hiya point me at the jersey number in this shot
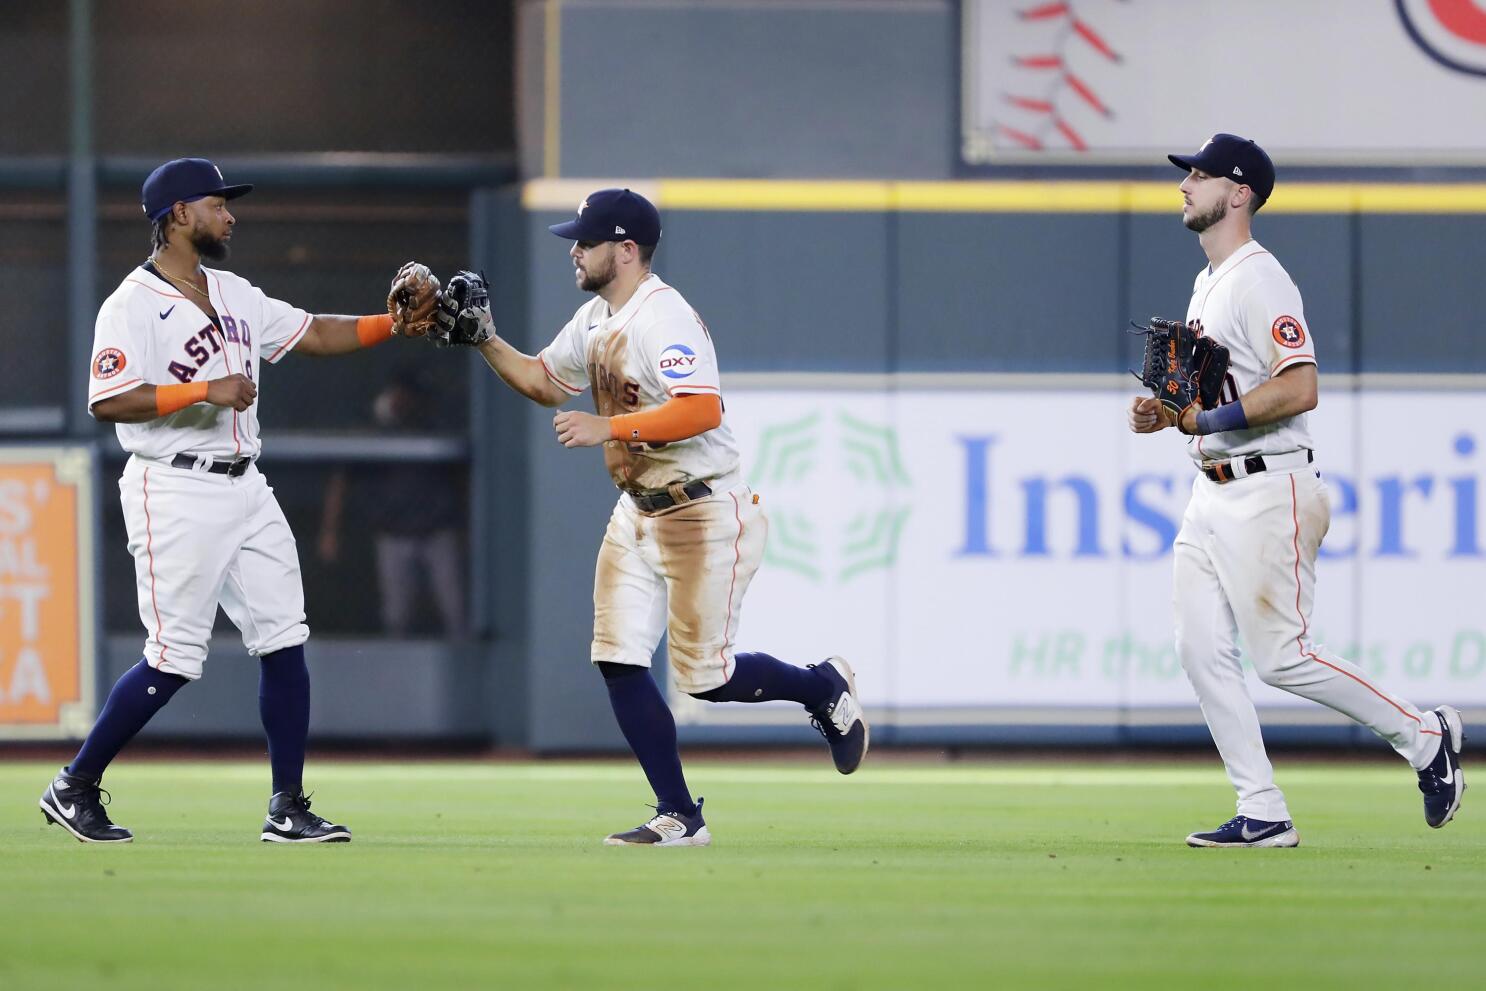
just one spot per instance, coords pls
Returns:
(1229, 392)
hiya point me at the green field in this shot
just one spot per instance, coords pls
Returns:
(906, 875)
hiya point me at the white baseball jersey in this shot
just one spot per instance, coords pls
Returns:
(1250, 305)
(200, 539)
(654, 348)
(149, 333)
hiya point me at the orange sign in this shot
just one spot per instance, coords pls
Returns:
(46, 585)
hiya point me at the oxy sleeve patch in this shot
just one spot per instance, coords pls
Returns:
(108, 363)
(1288, 333)
(678, 362)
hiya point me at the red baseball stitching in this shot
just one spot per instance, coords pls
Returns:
(1052, 120)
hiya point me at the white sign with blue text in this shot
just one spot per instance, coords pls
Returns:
(972, 551)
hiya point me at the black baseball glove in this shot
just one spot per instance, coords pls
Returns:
(1181, 367)
(463, 318)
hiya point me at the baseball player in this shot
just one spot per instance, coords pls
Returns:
(1245, 559)
(687, 533)
(177, 353)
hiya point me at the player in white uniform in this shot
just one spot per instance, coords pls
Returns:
(687, 534)
(177, 351)
(1245, 559)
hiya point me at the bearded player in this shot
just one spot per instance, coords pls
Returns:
(1245, 559)
(177, 352)
(686, 534)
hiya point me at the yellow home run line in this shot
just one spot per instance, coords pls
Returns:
(974, 196)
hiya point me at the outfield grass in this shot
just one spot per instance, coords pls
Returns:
(903, 876)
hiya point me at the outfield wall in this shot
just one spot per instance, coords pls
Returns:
(961, 509)
(975, 331)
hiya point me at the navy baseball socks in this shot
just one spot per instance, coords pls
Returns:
(760, 677)
(284, 708)
(136, 697)
(826, 690)
(650, 730)
(74, 799)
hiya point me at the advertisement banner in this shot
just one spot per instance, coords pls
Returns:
(981, 554)
(1334, 81)
(47, 610)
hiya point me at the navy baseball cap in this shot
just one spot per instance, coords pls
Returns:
(613, 215)
(1236, 158)
(184, 180)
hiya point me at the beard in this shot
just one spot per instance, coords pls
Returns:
(596, 279)
(1199, 222)
(213, 249)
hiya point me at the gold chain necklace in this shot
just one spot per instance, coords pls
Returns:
(177, 280)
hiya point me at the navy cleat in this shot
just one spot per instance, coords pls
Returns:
(76, 804)
(1241, 831)
(291, 821)
(668, 827)
(1443, 782)
(839, 719)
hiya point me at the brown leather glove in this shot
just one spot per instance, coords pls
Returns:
(412, 300)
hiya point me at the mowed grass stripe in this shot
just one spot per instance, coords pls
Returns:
(977, 875)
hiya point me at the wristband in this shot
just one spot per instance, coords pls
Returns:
(173, 398)
(1216, 421)
(373, 329)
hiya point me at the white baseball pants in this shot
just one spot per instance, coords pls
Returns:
(200, 540)
(682, 571)
(1245, 565)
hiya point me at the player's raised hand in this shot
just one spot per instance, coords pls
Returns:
(578, 429)
(236, 391)
(1147, 415)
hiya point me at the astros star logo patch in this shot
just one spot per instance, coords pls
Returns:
(108, 363)
(1288, 332)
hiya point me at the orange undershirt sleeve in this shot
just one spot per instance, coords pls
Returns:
(676, 419)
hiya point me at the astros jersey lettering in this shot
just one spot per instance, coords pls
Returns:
(654, 348)
(149, 333)
(1251, 305)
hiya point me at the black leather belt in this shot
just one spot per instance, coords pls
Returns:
(1253, 464)
(232, 469)
(653, 502)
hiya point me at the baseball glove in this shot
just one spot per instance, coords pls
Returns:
(1181, 367)
(463, 316)
(412, 300)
